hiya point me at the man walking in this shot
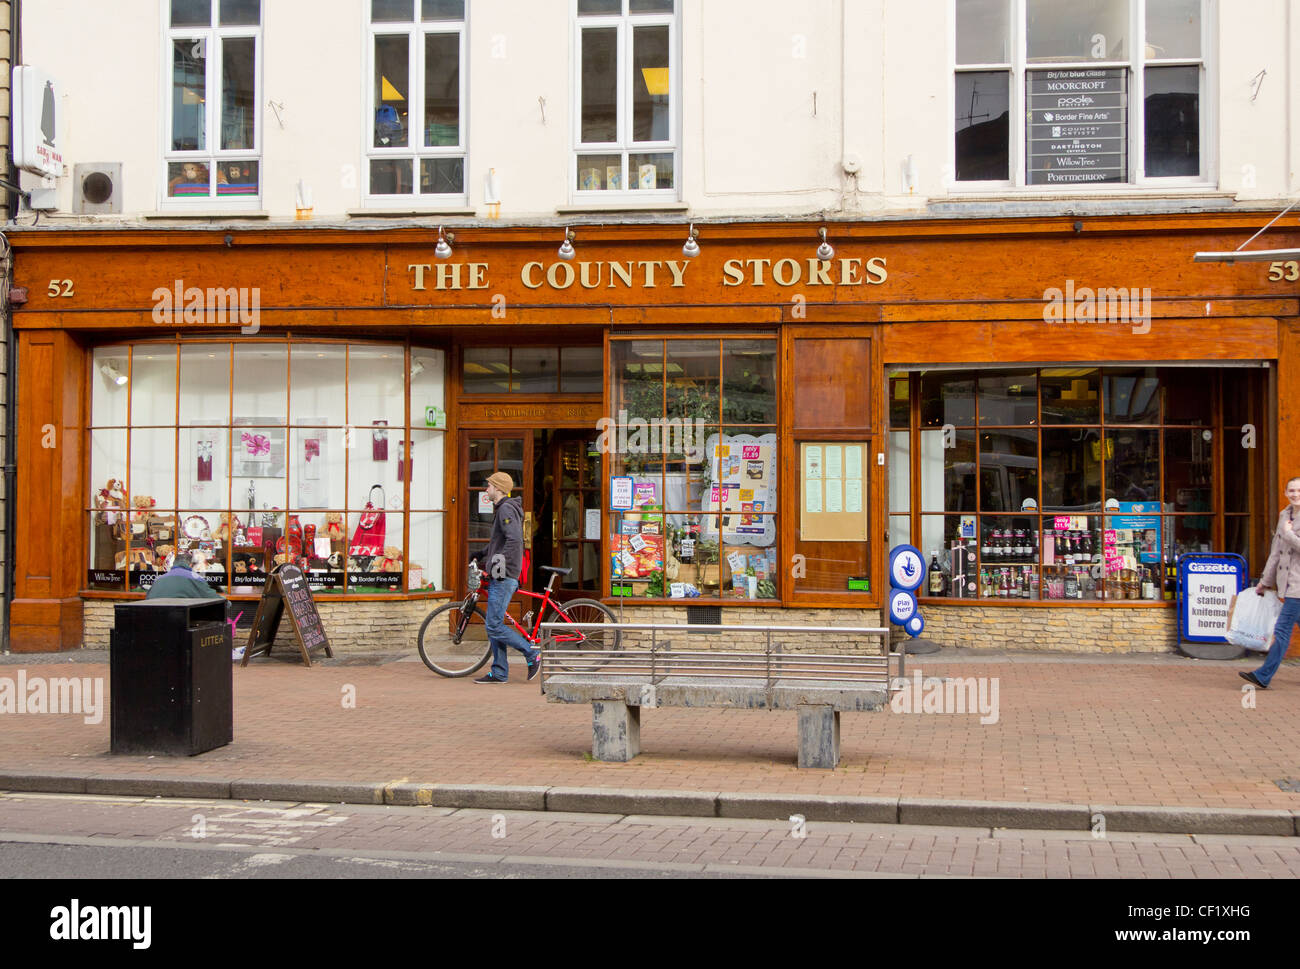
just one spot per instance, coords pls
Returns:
(502, 561)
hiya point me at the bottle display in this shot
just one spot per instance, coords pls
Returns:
(936, 575)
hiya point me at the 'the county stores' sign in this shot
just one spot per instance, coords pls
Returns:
(652, 274)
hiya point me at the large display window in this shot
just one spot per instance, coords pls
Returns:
(1078, 483)
(251, 454)
(693, 451)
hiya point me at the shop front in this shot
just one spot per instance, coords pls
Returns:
(747, 431)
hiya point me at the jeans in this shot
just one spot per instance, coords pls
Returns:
(1286, 621)
(500, 633)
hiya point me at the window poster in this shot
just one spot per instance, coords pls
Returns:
(742, 472)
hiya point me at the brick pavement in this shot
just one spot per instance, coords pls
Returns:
(1167, 734)
(826, 847)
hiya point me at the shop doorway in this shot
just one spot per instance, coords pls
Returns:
(567, 502)
(483, 453)
(557, 474)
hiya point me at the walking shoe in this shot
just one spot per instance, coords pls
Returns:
(533, 667)
(488, 679)
(1252, 678)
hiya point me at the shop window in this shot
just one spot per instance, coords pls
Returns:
(1111, 90)
(214, 90)
(1099, 499)
(703, 493)
(628, 92)
(416, 147)
(532, 370)
(252, 454)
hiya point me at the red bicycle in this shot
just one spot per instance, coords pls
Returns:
(448, 651)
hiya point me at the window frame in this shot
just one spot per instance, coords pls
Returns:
(624, 146)
(214, 38)
(415, 31)
(229, 424)
(909, 524)
(611, 457)
(1137, 63)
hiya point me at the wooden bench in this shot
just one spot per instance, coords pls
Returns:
(618, 683)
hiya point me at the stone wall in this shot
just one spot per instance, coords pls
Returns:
(393, 626)
(350, 626)
(819, 642)
(1076, 629)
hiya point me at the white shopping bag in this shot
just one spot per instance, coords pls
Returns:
(1251, 618)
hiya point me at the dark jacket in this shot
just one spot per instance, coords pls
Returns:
(180, 584)
(1283, 569)
(504, 556)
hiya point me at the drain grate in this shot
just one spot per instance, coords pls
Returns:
(1289, 784)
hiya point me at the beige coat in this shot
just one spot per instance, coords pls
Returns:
(1283, 569)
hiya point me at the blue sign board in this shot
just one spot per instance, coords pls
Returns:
(1206, 585)
(902, 606)
(906, 568)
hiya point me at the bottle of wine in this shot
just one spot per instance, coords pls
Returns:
(936, 575)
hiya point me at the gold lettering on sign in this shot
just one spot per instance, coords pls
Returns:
(449, 275)
(622, 272)
(646, 273)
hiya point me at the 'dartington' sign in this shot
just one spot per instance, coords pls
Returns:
(652, 273)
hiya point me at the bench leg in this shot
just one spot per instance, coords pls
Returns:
(615, 730)
(819, 735)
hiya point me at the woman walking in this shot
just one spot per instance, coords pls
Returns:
(1283, 573)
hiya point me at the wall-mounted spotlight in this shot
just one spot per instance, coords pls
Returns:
(417, 366)
(825, 251)
(692, 247)
(109, 369)
(567, 251)
(443, 249)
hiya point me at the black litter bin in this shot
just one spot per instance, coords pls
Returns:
(171, 677)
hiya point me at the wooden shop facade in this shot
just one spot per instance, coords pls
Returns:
(1053, 408)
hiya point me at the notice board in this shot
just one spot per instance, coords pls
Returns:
(833, 492)
(286, 591)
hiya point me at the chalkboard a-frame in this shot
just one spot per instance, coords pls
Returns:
(287, 586)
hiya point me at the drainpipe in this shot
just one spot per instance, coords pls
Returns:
(11, 349)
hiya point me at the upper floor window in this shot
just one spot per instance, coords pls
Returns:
(416, 143)
(627, 93)
(1111, 91)
(214, 126)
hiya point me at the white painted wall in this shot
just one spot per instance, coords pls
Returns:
(751, 145)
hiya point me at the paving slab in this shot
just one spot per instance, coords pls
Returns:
(1159, 732)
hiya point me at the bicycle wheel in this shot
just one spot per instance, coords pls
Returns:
(447, 648)
(593, 641)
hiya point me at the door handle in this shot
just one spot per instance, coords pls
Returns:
(528, 529)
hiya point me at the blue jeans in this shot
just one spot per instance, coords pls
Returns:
(500, 633)
(1286, 621)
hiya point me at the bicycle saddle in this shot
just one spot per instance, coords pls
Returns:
(552, 568)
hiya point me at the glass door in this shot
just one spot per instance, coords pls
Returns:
(483, 454)
(575, 519)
